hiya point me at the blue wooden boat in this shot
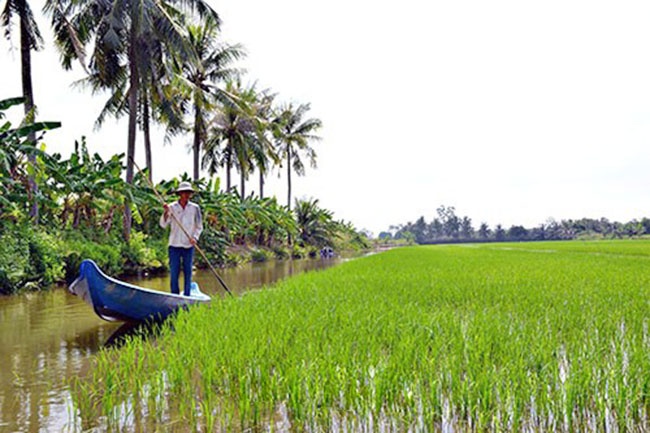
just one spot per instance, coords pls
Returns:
(114, 300)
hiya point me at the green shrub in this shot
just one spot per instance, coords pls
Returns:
(14, 261)
(138, 255)
(298, 252)
(45, 256)
(160, 251)
(107, 256)
(281, 252)
(234, 259)
(260, 255)
(29, 259)
(214, 243)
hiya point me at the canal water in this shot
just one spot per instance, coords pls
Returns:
(49, 338)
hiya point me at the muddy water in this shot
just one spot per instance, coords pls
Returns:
(48, 338)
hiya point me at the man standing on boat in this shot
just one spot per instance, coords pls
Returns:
(186, 223)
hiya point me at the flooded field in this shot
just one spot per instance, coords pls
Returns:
(47, 338)
(500, 337)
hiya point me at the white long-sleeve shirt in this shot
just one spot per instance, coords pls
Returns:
(190, 218)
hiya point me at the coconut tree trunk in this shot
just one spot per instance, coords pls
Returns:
(130, 150)
(228, 167)
(289, 177)
(242, 182)
(261, 184)
(28, 94)
(147, 138)
(196, 146)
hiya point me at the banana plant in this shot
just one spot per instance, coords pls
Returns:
(17, 189)
(90, 188)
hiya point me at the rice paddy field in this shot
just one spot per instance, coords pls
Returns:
(491, 337)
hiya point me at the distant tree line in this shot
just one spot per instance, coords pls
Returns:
(447, 227)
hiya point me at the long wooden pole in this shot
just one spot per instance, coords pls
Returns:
(162, 200)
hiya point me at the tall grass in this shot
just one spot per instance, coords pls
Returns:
(489, 337)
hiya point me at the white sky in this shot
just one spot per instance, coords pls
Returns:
(513, 111)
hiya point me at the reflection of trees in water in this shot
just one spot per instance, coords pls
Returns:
(46, 339)
(256, 275)
(35, 381)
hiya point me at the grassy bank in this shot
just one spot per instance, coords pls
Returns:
(35, 258)
(537, 336)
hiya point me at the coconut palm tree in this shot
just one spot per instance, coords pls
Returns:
(122, 33)
(316, 226)
(236, 133)
(265, 155)
(155, 100)
(228, 131)
(30, 40)
(292, 135)
(213, 66)
(257, 106)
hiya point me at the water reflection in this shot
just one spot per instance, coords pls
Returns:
(243, 278)
(47, 339)
(127, 331)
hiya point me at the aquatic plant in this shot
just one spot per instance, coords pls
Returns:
(494, 337)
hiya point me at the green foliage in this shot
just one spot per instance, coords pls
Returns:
(281, 252)
(81, 200)
(237, 133)
(348, 238)
(137, 255)
(112, 254)
(28, 258)
(16, 170)
(14, 261)
(298, 252)
(316, 226)
(292, 133)
(86, 191)
(106, 254)
(448, 227)
(260, 255)
(487, 338)
(45, 256)
(214, 243)
(234, 258)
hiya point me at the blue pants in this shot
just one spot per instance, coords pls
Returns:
(176, 254)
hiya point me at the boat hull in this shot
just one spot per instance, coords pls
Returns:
(115, 300)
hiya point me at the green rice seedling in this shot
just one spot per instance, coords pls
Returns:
(500, 337)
